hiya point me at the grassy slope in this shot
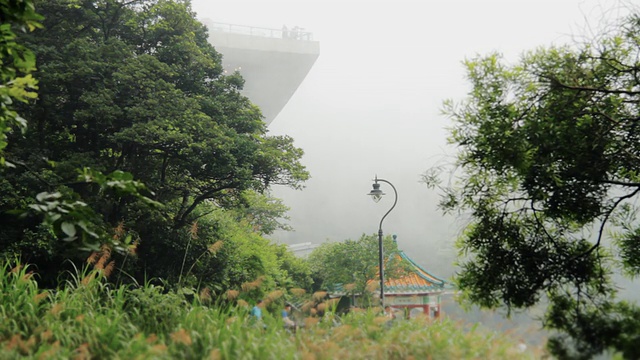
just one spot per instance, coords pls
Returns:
(88, 320)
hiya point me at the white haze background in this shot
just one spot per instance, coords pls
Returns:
(372, 102)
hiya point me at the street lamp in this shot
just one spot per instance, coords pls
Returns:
(376, 194)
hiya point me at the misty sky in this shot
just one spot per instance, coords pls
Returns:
(372, 102)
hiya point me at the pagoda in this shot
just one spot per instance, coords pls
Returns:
(411, 292)
(414, 291)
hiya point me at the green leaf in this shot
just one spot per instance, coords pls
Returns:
(68, 228)
(186, 291)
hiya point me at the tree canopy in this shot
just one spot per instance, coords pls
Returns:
(132, 93)
(548, 170)
(16, 64)
(352, 264)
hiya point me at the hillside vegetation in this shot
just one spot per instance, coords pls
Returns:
(89, 319)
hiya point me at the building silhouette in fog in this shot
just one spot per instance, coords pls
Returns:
(273, 62)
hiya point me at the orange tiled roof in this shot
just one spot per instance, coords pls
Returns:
(415, 280)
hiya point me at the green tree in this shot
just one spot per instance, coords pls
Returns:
(548, 171)
(62, 215)
(354, 263)
(265, 213)
(16, 64)
(296, 271)
(134, 86)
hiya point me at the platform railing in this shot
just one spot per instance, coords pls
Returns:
(295, 33)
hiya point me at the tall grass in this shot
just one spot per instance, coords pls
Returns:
(87, 319)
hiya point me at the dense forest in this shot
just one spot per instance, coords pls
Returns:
(137, 144)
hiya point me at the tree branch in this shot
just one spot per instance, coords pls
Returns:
(621, 183)
(604, 222)
(557, 82)
(37, 175)
(181, 219)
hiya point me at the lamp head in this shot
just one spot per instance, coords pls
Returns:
(376, 193)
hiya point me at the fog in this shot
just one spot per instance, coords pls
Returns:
(371, 105)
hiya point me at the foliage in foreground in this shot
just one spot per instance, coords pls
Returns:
(17, 63)
(134, 109)
(548, 170)
(88, 319)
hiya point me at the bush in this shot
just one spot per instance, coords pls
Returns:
(153, 310)
(88, 319)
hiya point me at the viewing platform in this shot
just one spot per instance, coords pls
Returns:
(273, 62)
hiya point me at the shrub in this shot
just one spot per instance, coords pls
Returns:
(153, 310)
(88, 319)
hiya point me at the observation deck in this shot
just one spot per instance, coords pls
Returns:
(273, 62)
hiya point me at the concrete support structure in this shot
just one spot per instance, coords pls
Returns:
(273, 62)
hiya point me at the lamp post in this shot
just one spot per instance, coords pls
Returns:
(376, 194)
